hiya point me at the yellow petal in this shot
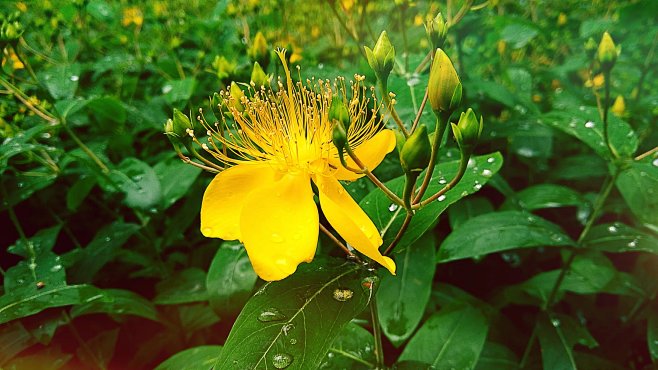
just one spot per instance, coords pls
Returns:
(279, 225)
(350, 221)
(371, 153)
(225, 196)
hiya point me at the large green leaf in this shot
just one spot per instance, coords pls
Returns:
(139, 182)
(186, 286)
(555, 347)
(388, 217)
(196, 358)
(352, 349)
(17, 304)
(34, 274)
(499, 231)
(291, 323)
(117, 302)
(42, 241)
(453, 338)
(545, 196)
(638, 184)
(61, 80)
(468, 208)
(401, 299)
(617, 237)
(585, 124)
(230, 279)
(175, 178)
(22, 142)
(496, 356)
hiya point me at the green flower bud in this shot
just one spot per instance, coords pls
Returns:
(258, 51)
(237, 95)
(338, 112)
(258, 76)
(181, 125)
(607, 52)
(445, 89)
(339, 137)
(437, 31)
(416, 151)
(381, 58)
(467, 131)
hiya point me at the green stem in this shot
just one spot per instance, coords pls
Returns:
(401, 231)
(377, 333)
(441, 124)
(606, 107)
(383, 88)
(85, 148)
(463, 164)
(363, 169)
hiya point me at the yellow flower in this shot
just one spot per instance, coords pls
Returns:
(132, 15)
(13, 59)
(273, 150)
(619, 106)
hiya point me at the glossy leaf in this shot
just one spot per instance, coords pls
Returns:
(117, 302)
(545, 196)
(34, 274)
(401, 299)
(352, 349)
(230, 279)
(196, 358)
(499, 231)
(175, 178)
(452, 338)
(185, 286)
(61, 80)
(138, 182)
(42, 241)
(585, 124)
(618, 237)
(468, 208)
(496, 356)
(638, 184)
(555, 349)
(291, 323)
(388, 218)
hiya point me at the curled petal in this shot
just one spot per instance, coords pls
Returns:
(350, 221)
(224, 198)
(279, 225)
(371, 153)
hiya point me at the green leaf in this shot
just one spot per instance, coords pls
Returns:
(638, 184)
(79, 191)
(138, 182)
(33, 274)
(13, 339)
(99, 350)
(21, 186)
(579, 167)
(496, 356)
(186, 286)
(108, 110)
(197, 358)
(401, 299)
(101, 10)
(352, 349)
(652, 335)
(16, 304)
(61, 80)
(499, 231)
(20, 143)
(178, 90)
(230, 279)
(388, 217)
(585, 125)
(117, 302)
(101, 250)
(291, 323)
(519, 34)
(556, 352)
(452, 338)
(175, 179)
(194, 317)
(545, 196)
(468, 208)
(50, 358)
(42, 241)
(617, 237)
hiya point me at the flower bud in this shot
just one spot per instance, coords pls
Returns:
(416, 151)
(607, 52)
(445, 89)
(339, 137)
(180, 125)
(258, 76)
(338, 112)
(258, 51)
(381, 58)
(236, 97)
(437, 31)
(467, 131)
(619, 106)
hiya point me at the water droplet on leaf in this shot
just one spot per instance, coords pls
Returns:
(270, 315)
(589, 124)
(441, 198)
(343, 294)
(281, 360)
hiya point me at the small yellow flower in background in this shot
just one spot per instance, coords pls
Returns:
(315, 31)
(596, 82)
(21, 6)
(274, 149)
(561, 19)
(419, 20)
(619, 106)
(11, 57)
(347, 4)
(132, 15)
(501, 46)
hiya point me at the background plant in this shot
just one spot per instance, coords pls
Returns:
(552, 263)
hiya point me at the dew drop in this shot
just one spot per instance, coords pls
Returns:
(491, 160)
(281, 360)
(632, 244)
(464, 193)
(487, 173)
(442, 181)
(441, 198)
(471, 163)
(276, 238)
(342, 294)
(477, 186)
(108, 239)
(270, 315)
(287, 328)
(74, 78)
(55, 268)
(555, 322)
(293, 341)
(612, 229)
(655, 162)
(392, 207)
(589, 124)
